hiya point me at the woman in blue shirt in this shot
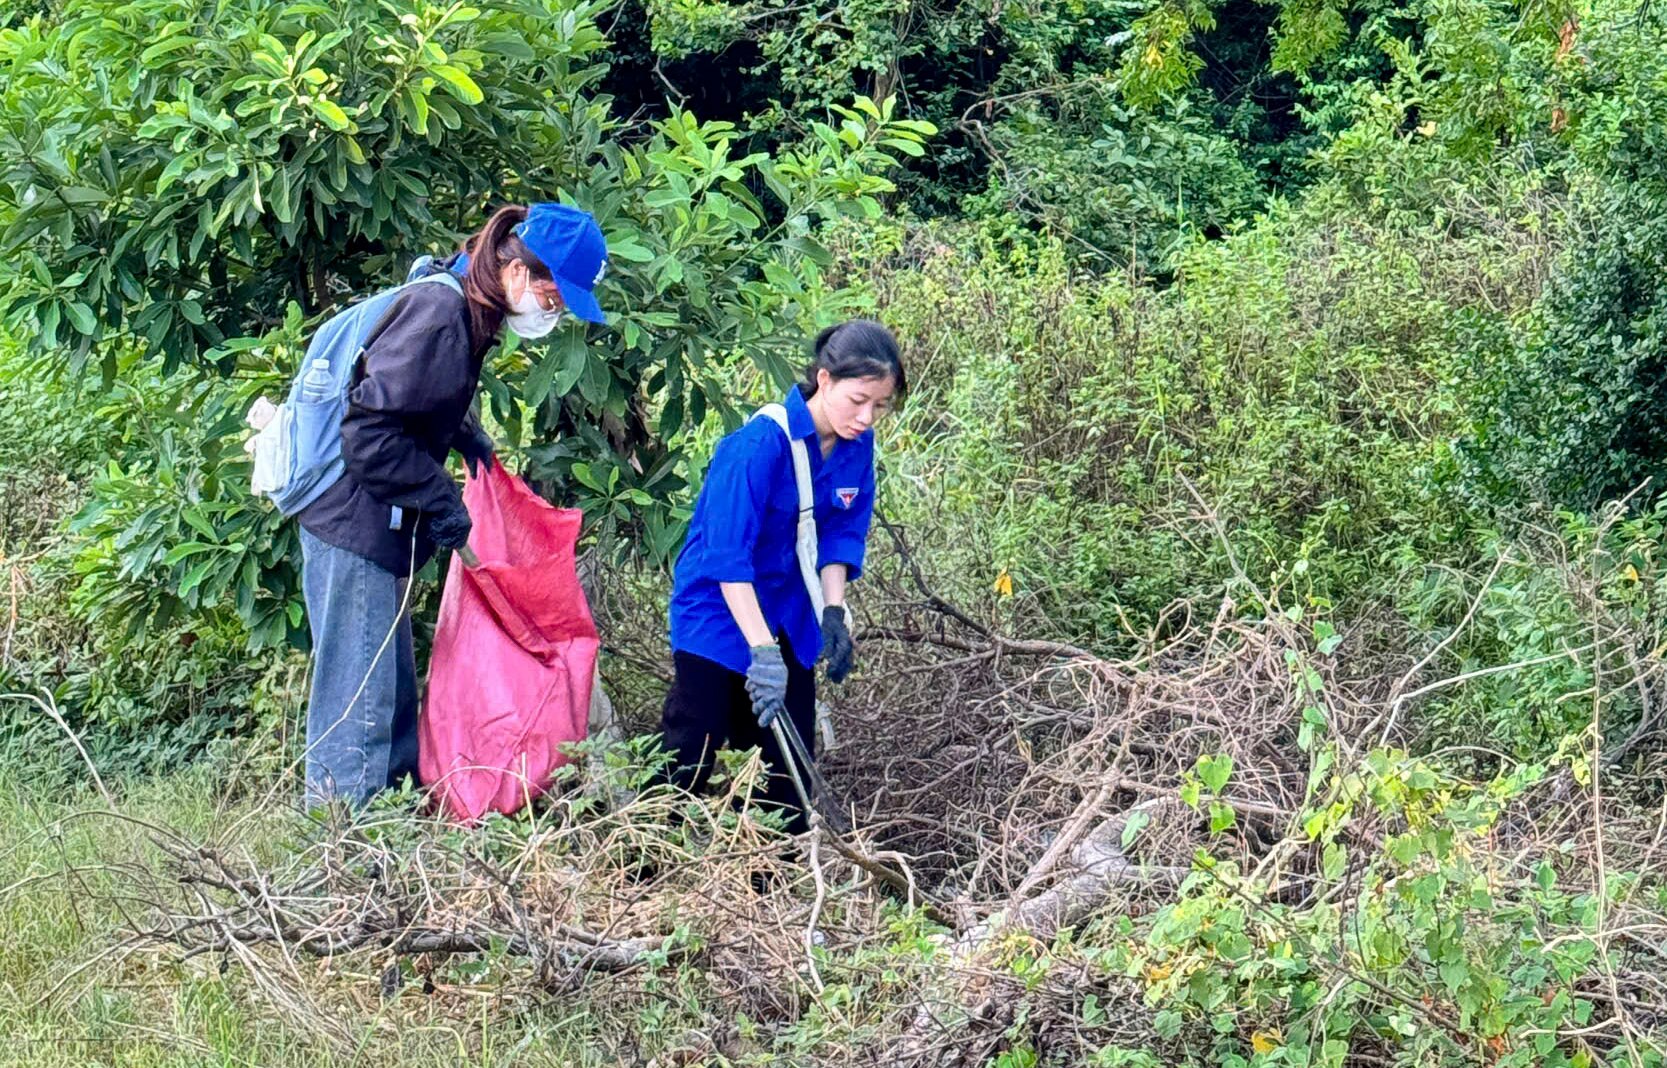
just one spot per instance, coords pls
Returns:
(744, 632)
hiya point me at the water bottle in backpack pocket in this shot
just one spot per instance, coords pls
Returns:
(297, 449)
(317, 413)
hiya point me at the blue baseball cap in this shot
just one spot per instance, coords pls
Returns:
(570, 244)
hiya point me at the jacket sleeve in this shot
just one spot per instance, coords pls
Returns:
(842, 536)
(730, 510)
(465, 430)
(413, 366)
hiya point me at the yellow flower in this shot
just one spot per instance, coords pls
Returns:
(1264, 1041)
(1004, 584)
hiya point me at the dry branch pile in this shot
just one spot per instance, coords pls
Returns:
(1014, 789)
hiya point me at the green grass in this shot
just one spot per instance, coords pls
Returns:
(68, 995)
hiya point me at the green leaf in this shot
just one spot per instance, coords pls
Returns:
(81, 317)
(190, 548)
(332, 114)
(575, 356)
(1222, 817)
(811, 250)
(1215, 771)
(282, 204)
(595, 381)
(417, 101)
(1132, 827)
(1335, 860)
(587, 478)
(196, 521)
(905, 145)
(49, 318)
(195, 577)
(80, 194)
(1406, 848)
(161, 48)
(509, 46)
(629, 251)
(537, 385)
(458, 81)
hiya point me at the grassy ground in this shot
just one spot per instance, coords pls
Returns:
(70, 995)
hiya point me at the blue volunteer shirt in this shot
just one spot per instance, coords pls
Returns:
(744, 529)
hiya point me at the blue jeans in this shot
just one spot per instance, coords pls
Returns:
(362, 715)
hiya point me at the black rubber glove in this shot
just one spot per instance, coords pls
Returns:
(450, 529)
(475, 446)
(767, 683)
(837, 648)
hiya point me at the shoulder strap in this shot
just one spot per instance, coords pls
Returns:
(386, 311)
(777, 413)
(806, 543)
(440, 276)
(805, 546)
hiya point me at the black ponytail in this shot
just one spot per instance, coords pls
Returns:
(860, 348)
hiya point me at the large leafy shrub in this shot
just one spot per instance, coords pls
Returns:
(1038, 133)
(1576, 411)
(137, 704)
(1304, 377)
(1572, 411)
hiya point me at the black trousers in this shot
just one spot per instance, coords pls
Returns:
(708, 708)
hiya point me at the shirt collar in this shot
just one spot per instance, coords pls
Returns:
(800, 423)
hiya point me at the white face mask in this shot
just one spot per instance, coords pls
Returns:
(529, 319)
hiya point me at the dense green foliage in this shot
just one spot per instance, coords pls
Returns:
(188, 244)
(1063, 417)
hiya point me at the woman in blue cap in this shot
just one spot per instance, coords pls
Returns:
(410, 403)
(744, 631)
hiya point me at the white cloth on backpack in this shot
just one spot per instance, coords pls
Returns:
(270, 447)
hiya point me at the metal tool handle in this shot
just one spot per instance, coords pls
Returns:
(792, 764)
(800, 764)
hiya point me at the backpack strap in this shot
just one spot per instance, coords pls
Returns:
(441, 276)
(805, 545)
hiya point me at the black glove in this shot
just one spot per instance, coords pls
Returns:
(837, 648)
(767, 683)
(450, 529)
(474, 445)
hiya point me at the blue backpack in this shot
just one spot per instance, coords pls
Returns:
(297, 449)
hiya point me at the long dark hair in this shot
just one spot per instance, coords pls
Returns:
(860, 348)
(489, 252)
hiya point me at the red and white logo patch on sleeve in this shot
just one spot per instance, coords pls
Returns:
(847, 495)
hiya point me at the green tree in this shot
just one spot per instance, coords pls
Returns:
(1572, 409)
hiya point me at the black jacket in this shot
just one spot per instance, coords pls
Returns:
(411, 399)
